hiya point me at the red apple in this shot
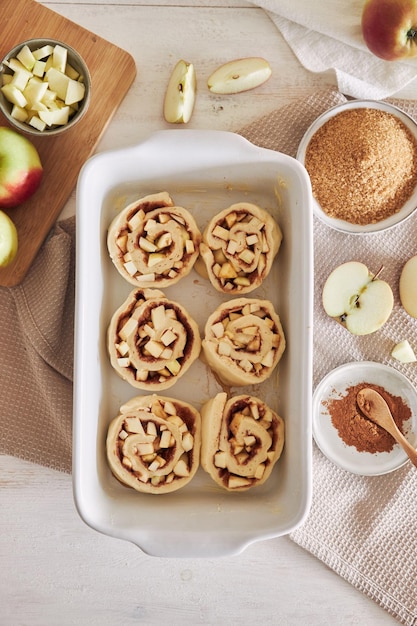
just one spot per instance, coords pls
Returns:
(389, 28)
(20, 168)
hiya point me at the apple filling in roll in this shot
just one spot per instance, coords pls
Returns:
(153, 243)
(238, 248)
(242, 439)
(243, 341)
(152, 341)
(153, 445)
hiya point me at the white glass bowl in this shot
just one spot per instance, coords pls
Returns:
(335, 385)
(341, 225)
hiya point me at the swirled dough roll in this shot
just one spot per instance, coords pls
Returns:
(153, 445)
(238, 248)
(153, 243)
(242, 439)
(243, 341)
(152, 341)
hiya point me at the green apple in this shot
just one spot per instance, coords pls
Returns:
(408, 286)
(8, 240)
(239, 75)
(389, 28)
(180, 94)
(20, 168)
(357, 299)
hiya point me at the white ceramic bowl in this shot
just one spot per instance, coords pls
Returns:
(334, 385)
(203, 171)
(342, 225)
(76, 61)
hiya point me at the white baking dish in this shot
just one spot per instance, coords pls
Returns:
(204, 171)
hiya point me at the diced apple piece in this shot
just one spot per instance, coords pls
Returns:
(75, 91)
(55, 118)
(37, 123)
(59, 58)
(21, 78)
(72, 73)
(26, 57)
(19, 113)
(39, 68)
(14, 95)
(35, 91)
(403, 352)
(58, 82)
(14, 64)
(43, 52)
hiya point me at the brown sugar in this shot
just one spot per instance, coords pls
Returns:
(357, 430)
(362, 165)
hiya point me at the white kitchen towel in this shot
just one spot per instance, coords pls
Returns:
(331, 39)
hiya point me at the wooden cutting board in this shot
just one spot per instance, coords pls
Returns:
(62, 157)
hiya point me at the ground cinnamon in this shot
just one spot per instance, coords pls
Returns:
(357, 430)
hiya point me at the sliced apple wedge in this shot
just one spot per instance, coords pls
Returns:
(357, 299)
(408, 286)
(8, 240)
(239, 75)
(403, 352)
(180, 94)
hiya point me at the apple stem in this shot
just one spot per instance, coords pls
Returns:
(412, 33)
(378, 273)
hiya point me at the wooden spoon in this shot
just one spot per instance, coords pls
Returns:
(374, 407)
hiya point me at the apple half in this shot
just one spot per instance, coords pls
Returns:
(408, 286)
(239, 75)
(8, 240)
(180, 94)
(357, 299)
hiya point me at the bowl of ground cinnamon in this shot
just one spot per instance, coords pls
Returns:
(345, 435)
(361, 157)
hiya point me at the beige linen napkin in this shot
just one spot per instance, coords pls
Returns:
(331, 39)
(36, 356)
(364, 528)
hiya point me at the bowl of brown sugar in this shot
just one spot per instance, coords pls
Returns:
(346, 436)
(361, 157)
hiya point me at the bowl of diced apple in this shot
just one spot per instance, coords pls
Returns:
(45, 87)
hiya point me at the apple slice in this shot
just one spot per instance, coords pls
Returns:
(8, 240)
(408, 286)
(357, 299)
(239, 75)
(403, 352)
(180, 94)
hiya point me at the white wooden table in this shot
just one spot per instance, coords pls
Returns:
(55, 571)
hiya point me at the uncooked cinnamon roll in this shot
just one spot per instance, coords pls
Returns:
(153, 243)
(242, 439)
(152, 341)
(238, 248)
(244, 341)
(153, 445)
